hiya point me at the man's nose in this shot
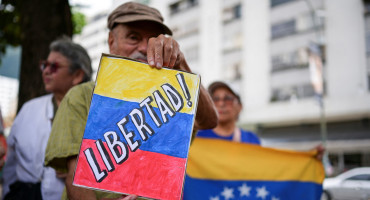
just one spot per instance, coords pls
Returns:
(143, 45)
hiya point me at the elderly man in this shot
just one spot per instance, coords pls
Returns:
(136, 31)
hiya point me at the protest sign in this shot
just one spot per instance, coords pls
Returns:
(138, 130)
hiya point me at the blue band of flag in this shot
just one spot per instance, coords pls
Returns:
(274, 190)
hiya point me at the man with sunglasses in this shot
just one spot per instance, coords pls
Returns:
(228, 106)
(24, 175)
(138, 32)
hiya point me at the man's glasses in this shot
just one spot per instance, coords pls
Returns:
(53, 66)
(227, 99)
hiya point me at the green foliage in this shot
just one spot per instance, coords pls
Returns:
(10, 31)
(10, 28)
(78, 21)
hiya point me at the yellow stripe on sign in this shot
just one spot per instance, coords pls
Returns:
(217, 159)
(134, 81)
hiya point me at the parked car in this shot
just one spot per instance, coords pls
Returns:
(353, 184)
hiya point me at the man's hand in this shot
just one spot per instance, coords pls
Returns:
(78, 193)
(164, 51)
(73, 192)
(320, 150)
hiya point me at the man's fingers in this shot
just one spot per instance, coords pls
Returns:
(168, 49)
(158, 51)
(150, 52)
(163, 52)
(175, 55)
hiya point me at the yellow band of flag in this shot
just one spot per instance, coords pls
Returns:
(216, 159)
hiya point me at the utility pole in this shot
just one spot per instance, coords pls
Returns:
(316, 67)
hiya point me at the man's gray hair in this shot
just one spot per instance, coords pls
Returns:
(75, 53)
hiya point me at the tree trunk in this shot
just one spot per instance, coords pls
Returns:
(42, 21)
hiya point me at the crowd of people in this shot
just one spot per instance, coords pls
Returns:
(46, 135)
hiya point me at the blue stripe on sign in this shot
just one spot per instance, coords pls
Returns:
(172, 138)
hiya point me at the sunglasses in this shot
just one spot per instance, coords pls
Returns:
(53, 66)
(227, 99)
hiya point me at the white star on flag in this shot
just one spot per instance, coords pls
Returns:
(262, 192)
(244, 190)
(274, 198)
(214, 198)
(227, 193)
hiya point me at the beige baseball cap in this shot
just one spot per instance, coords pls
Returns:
(219, 84)
(132, 12)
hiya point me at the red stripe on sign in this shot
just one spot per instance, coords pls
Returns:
(144, 173)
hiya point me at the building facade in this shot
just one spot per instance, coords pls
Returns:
(263, 48)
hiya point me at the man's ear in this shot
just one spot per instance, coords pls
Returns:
(111, 41)
(78, 77)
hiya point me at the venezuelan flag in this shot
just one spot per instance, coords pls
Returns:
(115, 155)
(219, 169)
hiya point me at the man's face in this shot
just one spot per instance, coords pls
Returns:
(227, 105)
(131, 39)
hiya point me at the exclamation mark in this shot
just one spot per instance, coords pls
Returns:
(181, 80)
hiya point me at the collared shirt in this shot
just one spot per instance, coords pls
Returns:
(26, 149)
(68, 129)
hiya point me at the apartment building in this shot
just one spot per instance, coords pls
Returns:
(261, 48)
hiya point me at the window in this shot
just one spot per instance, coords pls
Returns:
(299, 24)
(360, 177)
(174, 8)
(283, 29)
(232, 13)
(279, 2)
(290, 60)
(237, 11)
(367, 35)
(292, 93)
(185, 29)
(237, 72)
(182, 6)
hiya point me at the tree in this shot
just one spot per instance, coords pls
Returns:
(33, 25)
(78, 21)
